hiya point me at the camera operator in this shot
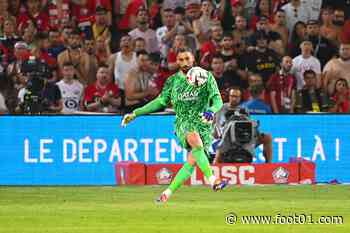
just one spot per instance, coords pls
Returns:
(40, 94)
(231, 150)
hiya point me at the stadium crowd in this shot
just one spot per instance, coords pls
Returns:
(112, 56)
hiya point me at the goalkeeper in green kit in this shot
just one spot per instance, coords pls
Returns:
(194, 95)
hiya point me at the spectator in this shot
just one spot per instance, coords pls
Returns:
(103, 95)
(340, 97)
(89, 47)
(8, 95)
(13, 71)
(53, 102)
(66, 32)
(328, 30)
(296, 11)
(76, 56)
(59, 14)
(183, 24)
(257, 104)
(193, 10)
(240, 31)
(82, 15)
(337, 68)
(139, 44)
(41, 49)
(35, 14)
(56, 44)
(166, 33)
(100, 28)
(315, 8)
(202, 25)
(263, 9)
(305, 61)
(298, 36)
(232, 104)
(71, 89)
(227, 52)
(128, 21)
(274, 38)
(324, 50)
(143, 30)
(179, 44)
(8, 40)
(102, 50)
(122, 62)
(139, 84)
(225, 79)
(280, 27)
(282, 88)
(29, 34)
(311, 98)
(209, 48)
(261, 60)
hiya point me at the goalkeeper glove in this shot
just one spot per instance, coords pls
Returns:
(127, 118)
(208, 117)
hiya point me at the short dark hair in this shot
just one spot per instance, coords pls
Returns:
(103, 65)
(67, 63)
(155, 57)
(217, 56)
(309, 72)
(180, 10)
(141, 52)
(184, 50)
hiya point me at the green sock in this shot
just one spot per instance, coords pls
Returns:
(183, 174)
(202, 161)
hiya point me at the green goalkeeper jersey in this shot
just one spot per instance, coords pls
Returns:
(189, 102)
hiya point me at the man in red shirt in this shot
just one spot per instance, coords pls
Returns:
(103, 95)
(282, 87)
(211, 47)
(34, 14)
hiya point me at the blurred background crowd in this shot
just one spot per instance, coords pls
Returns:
(112, 56)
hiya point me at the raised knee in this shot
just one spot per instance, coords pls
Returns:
(194, 140)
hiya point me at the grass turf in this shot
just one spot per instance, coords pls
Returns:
(191, 209)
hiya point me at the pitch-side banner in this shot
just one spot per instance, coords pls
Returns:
(77, 150)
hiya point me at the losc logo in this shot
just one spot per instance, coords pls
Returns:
(280, 175)
(164, 176)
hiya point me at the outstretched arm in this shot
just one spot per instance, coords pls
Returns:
(152, 106)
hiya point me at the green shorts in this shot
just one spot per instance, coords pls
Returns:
(204, 131)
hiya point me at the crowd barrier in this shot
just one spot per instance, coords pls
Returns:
(298, 172)
(82, 150)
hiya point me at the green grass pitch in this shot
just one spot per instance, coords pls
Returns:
(191, 209)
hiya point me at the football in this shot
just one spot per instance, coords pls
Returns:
(197, 76)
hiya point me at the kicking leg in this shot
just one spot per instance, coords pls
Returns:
(198, 153)
(183, 174)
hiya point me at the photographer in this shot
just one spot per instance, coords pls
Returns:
(40, 94)
(238, 133)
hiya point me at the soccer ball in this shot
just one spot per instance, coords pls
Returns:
(197, 76)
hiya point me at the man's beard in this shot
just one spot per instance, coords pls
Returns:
(345, 58)
(338, 22)
(185, 69)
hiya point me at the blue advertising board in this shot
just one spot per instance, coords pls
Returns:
(82, 150)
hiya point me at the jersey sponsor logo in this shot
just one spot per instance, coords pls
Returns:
(189, 95)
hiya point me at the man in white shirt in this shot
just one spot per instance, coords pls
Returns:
(143, 30)
(304, 62)
(71, 90)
